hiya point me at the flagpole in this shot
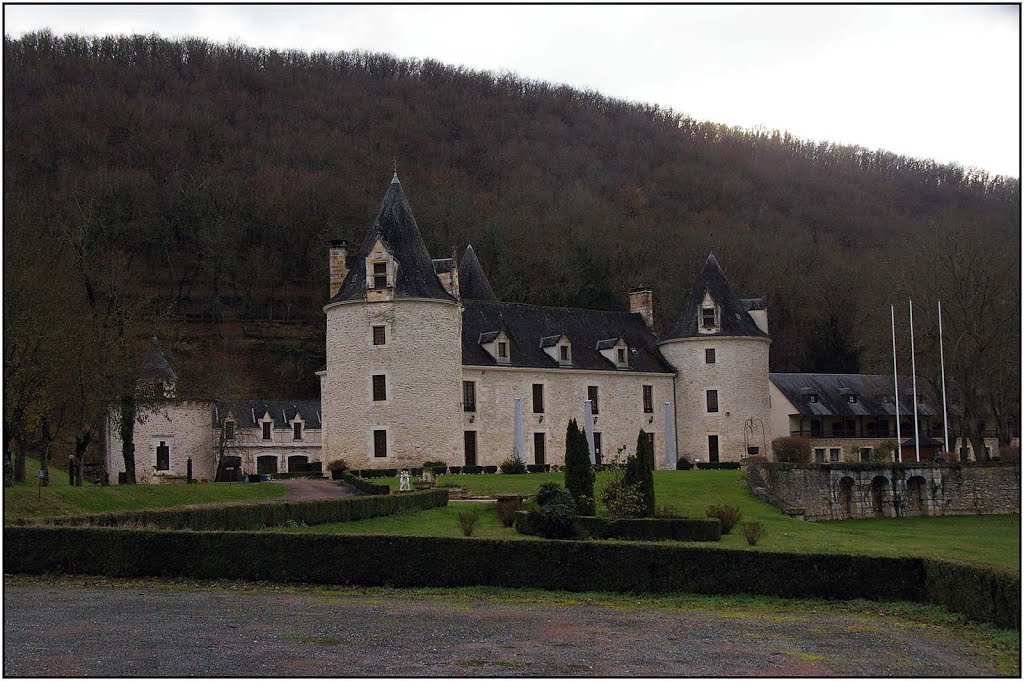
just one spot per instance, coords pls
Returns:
(896, 385)
(913, 370)
(942, 365)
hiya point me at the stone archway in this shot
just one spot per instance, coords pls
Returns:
(916, 496)
(845, 498)
(881, 493)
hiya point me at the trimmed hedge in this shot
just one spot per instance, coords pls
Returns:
(364, 486)
(254, 516)
(717, 465)
(538, 467)
(454, 470)
(458, 561)
(642, 529)
(472, 469)
(376, 473)
(296, 474)
(490, 469)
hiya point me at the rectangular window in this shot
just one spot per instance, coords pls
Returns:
(539, 454)
(163, 457)
(380, 275)
(470, 447)
(380, 390)
(709, 355)
(592, 396)
(851, 398)
(865, 454)
(379, 336)
(468, 396)
(229, 430)
(833, 454)
(712, 401)
(297, 431)
(648, 399)
(538, 398)
(812, 398)
(266, 430)
(564, 352)
(380, 444)
(819, 454)
(503, 350)
(708, 317)
(622, 356)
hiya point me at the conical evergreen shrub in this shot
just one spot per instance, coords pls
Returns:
(579, 473)
(640, 472)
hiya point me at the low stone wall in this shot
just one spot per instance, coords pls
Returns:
(839, 491)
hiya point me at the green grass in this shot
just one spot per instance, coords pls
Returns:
(59, 498)
(985, 540)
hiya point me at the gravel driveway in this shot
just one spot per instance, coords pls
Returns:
(142, 630)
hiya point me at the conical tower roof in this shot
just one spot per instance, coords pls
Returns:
(396, 228)
(155, 365)
(473, 284)
(734, 318)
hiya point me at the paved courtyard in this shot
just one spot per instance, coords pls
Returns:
(134, 629)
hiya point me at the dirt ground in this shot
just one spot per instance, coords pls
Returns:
(77, 629)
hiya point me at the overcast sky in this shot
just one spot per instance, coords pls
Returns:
(936, 82)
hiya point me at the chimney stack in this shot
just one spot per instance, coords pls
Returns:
(641, 300)
(338, 267)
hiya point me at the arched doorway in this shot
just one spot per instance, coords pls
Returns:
(916, 496)
(880, 493)
(266, 464)
(845, 496)
(297, 463)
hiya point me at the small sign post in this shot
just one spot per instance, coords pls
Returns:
(40, 475)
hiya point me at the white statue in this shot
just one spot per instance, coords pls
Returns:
(403, 484)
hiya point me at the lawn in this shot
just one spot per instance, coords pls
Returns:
(59, 498)
(988, 540)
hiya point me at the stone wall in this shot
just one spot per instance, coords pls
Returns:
(185, 425)
(739, 374)
(850, 490)
(620, 415)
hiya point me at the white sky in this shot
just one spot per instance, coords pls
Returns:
(939, 82)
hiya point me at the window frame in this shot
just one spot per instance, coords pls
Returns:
(710, 356)
(165, 445)
(502, 349)
(648, 398)
(711, 400)
(819, 454)
(229, 430)
(380, 433)
(383, 338)
(268, 431)
(704, 317)
(469, 396)
(298, 431)
(537, 405)
(593, 396)
(383, 387)
(540, 438)
(377, 274)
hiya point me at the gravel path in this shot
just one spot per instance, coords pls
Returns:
(315, 488)
(139, 630)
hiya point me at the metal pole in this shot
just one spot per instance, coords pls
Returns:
(942, 365)
(896, 385)
(913, 370)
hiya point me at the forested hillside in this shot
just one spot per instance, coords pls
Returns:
(196, 186)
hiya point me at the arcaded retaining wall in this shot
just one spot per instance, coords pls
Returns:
(838, 491)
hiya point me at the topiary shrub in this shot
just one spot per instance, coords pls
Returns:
(538, 467)
(547, 492)
(557, 518)
(579, 473)
(727, 515)
(513, 465)
(753, 532)
(792, 449)
(338, 465)
(640, 473)
(472, 469)
(490, 469)
(454, 470)
(468, 521)
(684, 464)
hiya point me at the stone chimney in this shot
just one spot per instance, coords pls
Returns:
(337, 259)
(641, 300)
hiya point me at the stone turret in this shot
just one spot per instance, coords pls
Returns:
(721, 356)
(391, 390)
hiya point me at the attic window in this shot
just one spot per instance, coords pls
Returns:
(563, 353)
(812, 398)
(380, 275)
(229, 430)
(502, 349)
(621, 355)
(297, 431)
(851, 398)
(707, 317)
(266, 430)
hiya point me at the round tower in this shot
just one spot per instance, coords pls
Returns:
(720, 354)
(391, 390)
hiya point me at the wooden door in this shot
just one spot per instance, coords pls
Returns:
(470, 447)
(713, 448)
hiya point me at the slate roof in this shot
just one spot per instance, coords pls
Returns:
(873, 391)
(473, 284)
(155, 365)
(924, 441)
(754, 304)
(396, 227)
(734, 318)
(526, 325)
(249, 412)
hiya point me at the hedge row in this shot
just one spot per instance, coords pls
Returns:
(645, 529)
(717, 465)
(364, 486)
(296, 474)
(254, 516)
(457, 561)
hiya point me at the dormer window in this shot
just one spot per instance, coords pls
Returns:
(380, 275)
(502, 350)
(297, 430)
(615, 351)
(812, 398)
(496, 344)
(558, 348)
(851, 398)
(229, 430)
(563, 353)
(707, 317)
(267, 425)
(621, 355)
